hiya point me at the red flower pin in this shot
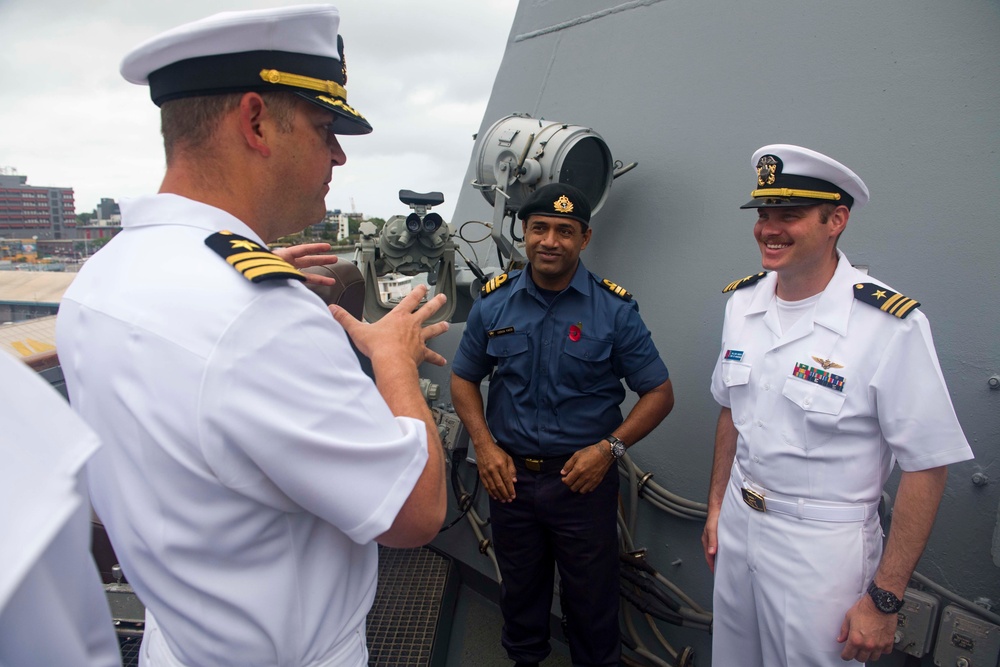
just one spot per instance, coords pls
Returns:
(574, 332)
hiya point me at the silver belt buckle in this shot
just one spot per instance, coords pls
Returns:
(753, 499)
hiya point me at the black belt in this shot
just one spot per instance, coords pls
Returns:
(540, 465)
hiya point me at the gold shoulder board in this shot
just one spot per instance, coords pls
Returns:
(255, 262)
(743, 282)
(617, 290)
(885, 299)
(493, 283)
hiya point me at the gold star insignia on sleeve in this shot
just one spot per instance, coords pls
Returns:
(245, 244)
(885, 299)
(250, 259)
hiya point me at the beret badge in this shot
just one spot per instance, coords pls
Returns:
(563, 205)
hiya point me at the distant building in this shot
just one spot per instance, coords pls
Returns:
(108, 211)
(105, 222)
(337, 223)
(28, 211)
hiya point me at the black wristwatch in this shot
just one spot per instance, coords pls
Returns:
(885, 601)
(617, 447)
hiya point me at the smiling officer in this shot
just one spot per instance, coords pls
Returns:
(558, 341)
(825, 377)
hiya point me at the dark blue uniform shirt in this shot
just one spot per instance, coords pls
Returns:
(557, 385)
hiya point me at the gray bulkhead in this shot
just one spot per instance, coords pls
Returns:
(905, 92)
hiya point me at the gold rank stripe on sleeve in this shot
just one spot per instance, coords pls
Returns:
(257, 266)
(885, 299)
(743, 282)
(493, 283)
(617, 290)
(256, 263)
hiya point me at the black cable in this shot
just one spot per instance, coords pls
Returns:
(650, 607)
(650, 587)
(469, 222)
(464, 501)
(637, 560)
(513, 234)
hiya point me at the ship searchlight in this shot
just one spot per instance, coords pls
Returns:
(519, 154)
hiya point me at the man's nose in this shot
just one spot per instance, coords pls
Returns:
(551, 237)
(337, 154)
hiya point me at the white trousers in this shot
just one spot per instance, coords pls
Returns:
(154, 652)
(783, 585)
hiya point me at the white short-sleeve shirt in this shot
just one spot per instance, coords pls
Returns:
(810, 435)
(53, 609)
(249, 462)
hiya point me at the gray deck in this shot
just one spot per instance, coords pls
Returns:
(423, 615)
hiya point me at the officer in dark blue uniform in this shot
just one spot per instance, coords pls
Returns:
(558, 341)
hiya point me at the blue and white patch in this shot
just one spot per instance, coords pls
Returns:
(734, 355)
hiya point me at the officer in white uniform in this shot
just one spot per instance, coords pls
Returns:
(826, 378)
(53, 610)
(250, 465)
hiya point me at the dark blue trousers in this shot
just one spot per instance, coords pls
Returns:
(548, 524)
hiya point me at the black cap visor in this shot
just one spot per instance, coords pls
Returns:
(791, 190)
(785, 202)
(347, 121)
(246, 71)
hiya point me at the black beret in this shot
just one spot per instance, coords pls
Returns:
(558, 199)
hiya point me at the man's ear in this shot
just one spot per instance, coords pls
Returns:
(252, 111)
(838, 220)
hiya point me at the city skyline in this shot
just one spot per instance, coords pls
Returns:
(421, 72)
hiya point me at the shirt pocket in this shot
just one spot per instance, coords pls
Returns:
(512, 353)
(586, 363)
(735, 374)
(735, 377)
(815, 421)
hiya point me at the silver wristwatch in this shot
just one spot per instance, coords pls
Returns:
(617, 446)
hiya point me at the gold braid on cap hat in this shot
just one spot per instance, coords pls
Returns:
(300, 81)
(789, 192)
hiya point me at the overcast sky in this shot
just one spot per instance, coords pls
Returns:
(421, 72)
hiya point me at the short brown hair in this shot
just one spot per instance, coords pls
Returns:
(825, 211)
(188, 123)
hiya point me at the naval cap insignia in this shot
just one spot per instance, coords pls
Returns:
(826, 363)
(768, 168)
(563, 205)
(343, 60)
